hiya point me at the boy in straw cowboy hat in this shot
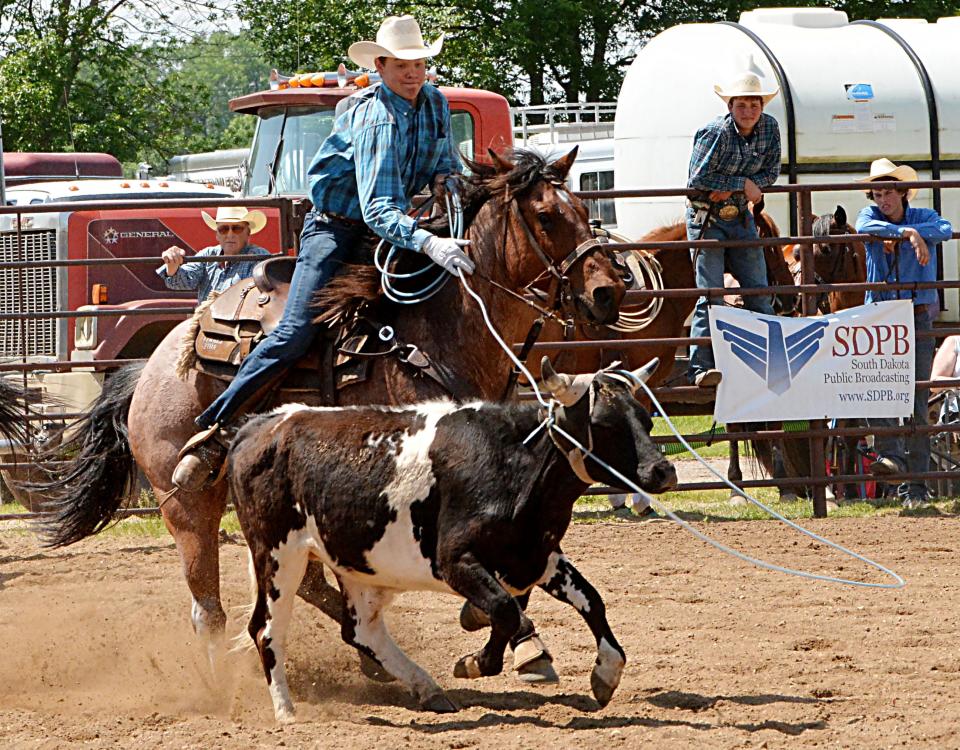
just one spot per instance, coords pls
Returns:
(233, 225)
(734, 157)
(392, 142)
(907, 259)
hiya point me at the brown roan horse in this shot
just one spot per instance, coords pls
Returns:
(512, 208)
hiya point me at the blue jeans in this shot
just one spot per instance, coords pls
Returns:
(746, 264)
(324, 246)
(912, 452)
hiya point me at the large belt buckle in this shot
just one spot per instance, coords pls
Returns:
(728, 212)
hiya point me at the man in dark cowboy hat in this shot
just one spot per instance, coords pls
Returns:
(734, 157)
(393, 142)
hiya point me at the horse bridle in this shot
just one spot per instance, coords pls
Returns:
(559, 281)
(557, 271)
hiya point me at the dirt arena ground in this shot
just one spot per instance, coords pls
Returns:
(99, 652)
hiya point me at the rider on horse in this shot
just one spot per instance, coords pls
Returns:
(395, 140)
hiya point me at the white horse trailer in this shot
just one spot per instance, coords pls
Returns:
(850, 92)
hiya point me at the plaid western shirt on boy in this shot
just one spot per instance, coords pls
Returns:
(380, 154)
(722, 158)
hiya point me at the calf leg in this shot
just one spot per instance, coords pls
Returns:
(278, 578)
(315, 590)
(364, 629)
(531, 660)
(564, 582)
(470, 579)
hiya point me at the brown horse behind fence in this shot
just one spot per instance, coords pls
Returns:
(677, 273)
(145, 414)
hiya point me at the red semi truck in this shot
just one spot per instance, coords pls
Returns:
(293, 121)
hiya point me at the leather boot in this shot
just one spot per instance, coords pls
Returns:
(201, 461)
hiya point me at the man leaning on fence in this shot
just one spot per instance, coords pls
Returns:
(233, 225)
(734, 157)
(904, 256)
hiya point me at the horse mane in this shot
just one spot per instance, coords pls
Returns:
(822, 225)
(357, 284)
(187, 356)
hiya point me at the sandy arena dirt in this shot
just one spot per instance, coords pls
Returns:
(99, 651)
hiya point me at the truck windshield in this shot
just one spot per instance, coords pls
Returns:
(298, 136)
(294, 140)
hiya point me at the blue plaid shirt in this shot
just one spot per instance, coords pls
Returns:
(380, 154)
(210, 277)
(722, 158)
(903, 265)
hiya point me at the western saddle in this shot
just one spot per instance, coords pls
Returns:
(233, 323)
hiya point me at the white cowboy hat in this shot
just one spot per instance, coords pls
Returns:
(884, 169)
(400, 37)
(256, 220)
(746, 84)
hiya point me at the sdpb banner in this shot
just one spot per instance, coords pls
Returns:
(855, 363)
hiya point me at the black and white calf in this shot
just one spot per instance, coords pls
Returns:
(440, 497)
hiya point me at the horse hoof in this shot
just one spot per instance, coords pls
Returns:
(468, 668)
(738, 500)
(538, 672)
(473, 618)
(285, 715)
(601, 690)
(373, 670)
(789, 497)
(439, 704)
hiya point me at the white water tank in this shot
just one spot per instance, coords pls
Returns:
(858, 93)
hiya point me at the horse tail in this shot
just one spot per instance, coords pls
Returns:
(13, 425)
(100, 471)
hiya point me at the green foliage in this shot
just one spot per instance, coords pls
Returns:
(72, 78)
(531, 51)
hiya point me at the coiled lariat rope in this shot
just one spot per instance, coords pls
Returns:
(549, 423)
(436, 277)
(648, 275)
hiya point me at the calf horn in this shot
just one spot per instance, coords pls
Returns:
(567, 389)
(643, 374)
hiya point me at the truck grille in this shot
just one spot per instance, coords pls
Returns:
(39, 295)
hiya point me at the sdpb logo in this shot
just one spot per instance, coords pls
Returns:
(864, 341)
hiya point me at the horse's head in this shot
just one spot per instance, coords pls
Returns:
(832, 261)
(546, 239)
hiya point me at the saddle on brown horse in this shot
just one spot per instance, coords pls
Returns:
(228, 326)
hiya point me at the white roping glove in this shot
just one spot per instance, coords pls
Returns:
(446, 253)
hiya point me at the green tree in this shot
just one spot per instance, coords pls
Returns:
(531, 51)
(70, 77)
(225, 65)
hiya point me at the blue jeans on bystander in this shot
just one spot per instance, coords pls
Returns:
(746, 264)
(912, 452)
